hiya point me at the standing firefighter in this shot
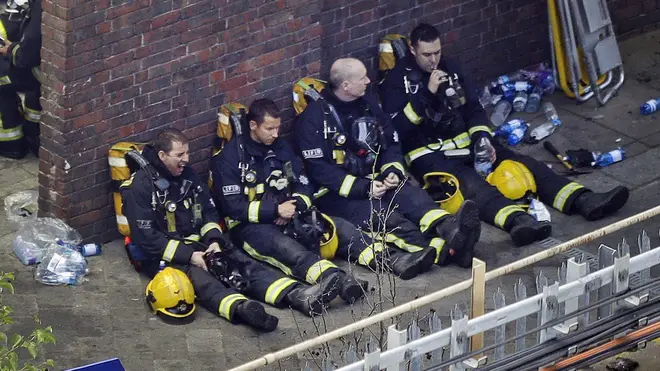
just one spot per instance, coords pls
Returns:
(351, 150)
(435, 113)
(259, 183)
(173, 221)
(20, 58)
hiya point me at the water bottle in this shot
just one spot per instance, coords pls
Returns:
(539, 211)
(486, 98)
(522, 86)
(649, 107)
(520, 101)
(161, 265)
(61, 265)
(508, 91)
(500, 112)
(547, 82)
(484, 157)
(495, 99)
(517, 135)
(534, 100)
(503, 79)
(609, 158)
(509, 127)
(90, 249)
(551, 113)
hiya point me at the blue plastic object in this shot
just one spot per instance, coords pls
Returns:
(108, 365)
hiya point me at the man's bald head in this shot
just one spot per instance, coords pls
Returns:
(348, 78)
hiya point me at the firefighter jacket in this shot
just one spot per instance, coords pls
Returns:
(428, 122)
(318, 132)
(159, 220)
(272, 175)
(27, 52)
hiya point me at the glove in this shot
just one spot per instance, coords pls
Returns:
(580, 157)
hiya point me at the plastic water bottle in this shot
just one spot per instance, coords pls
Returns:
(517, 135)
(500, 112)
(551, 113)
(161, 265)
(539, 211)
(609, 158)
(509, 127)
(90, 249)
(484, 157)
(547, 82)
(522, 86)
(486, 98)
(649, 107)
(508, 91)
(503, 79)
(61, 265)
(520, 101)
(534, 100)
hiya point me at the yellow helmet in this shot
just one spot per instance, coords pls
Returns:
(512, 179)
(444, 189)
(171, 294)
(329, 240)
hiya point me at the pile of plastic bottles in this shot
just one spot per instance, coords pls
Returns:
(61, 266)
(520, 91)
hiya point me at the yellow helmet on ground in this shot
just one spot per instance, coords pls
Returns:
(329, 240)
(171, 294)
(512, 179)
(444, 189)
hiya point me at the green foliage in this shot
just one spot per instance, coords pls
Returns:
(10, 344)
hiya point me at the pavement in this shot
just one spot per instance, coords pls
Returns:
(106, 316)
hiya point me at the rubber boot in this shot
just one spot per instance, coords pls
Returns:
(351, 288)
(594, 206)
(526, 230)
(253, 314)
(14, 149)
(460, 232)
(407, 265)
(312, 300)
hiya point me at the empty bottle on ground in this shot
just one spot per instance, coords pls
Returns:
(520, 101)
(484, 157)
(500, 112)
(534, 100)
(609, 158)
(649, 107)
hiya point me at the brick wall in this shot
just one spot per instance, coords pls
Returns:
(123, 69)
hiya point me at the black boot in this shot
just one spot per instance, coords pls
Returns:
(526, 230)
(253, 314)
(351, 288)
(594, 206)
(407, 265)
(311, 300)
(460, 232)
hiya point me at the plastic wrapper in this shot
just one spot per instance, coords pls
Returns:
(33, 238)
(61, 266)
(21, 208)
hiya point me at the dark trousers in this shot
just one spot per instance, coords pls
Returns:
(18, 123)
(552, 189)
(269, 244)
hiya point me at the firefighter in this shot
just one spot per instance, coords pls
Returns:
(352, 152)
(258, 182)
(20, 58)
(424, 95)
(173, 221)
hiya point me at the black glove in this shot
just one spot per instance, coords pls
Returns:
(226, 270)
(580, 157)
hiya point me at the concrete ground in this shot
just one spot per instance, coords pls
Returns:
(106, 316)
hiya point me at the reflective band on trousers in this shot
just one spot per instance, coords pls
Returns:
(430, 218)
(504, 213)
(346, 185)
(368, 254)
(437, 243)
(268, 259)
(206, 228)
(253, 211)
(170, 250)
(275, 289)
(460, 141)
(226, 303)
(314, 272)
(562, 196)
(5, 80)
(411, 114)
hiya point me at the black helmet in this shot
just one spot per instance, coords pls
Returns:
(225, 269)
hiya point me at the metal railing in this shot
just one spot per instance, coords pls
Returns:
(405, 347)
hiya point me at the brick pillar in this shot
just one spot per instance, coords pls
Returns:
(123, 70)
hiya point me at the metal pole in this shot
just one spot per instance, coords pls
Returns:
(441, 294)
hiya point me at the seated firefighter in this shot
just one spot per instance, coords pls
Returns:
(173, 221)
(351, 150)
(20, 57)
(433, 118)
(259, 183)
